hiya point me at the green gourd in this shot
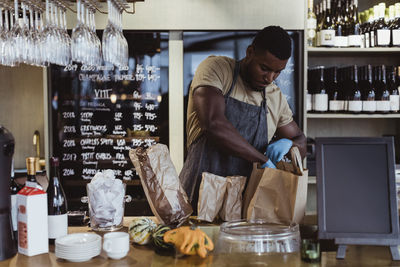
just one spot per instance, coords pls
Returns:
(141, 229)
(158, 237)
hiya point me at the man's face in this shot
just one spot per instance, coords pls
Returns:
(263, 68)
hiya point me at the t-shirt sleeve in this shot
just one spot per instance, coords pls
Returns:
(286, 114)
(210, 72)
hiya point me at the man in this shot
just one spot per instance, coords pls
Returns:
(235, 109)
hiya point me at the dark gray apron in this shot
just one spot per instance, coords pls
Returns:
(205, 156)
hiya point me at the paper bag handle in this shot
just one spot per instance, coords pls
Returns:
(296, 158)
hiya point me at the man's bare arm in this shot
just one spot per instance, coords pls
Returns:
(293, 132)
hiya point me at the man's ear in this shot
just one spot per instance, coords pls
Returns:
(250, 51)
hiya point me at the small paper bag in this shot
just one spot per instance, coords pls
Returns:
(211, 196)
(232, 207)
(277, 195)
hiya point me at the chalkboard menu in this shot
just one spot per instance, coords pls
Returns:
(100, 112)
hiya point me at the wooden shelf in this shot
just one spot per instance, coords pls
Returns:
(352, 116)
(324, 50)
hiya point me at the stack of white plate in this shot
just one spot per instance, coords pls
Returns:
(78, 247)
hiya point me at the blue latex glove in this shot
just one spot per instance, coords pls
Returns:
(268, 164)
(276, 150)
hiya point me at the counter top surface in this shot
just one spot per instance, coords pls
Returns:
(145, 256)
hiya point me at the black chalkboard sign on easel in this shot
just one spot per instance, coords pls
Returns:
(357, 201)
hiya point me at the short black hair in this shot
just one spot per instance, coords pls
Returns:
(274, 39)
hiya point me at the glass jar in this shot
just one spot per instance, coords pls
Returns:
(257, 237)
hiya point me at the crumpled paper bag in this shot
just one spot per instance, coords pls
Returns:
(167, 199)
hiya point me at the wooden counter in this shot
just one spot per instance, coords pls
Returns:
(145, 256)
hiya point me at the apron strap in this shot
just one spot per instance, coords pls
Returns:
(235, 76)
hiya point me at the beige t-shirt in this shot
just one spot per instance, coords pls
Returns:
(217, 71)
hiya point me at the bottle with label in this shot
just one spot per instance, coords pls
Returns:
(336, 97)
(320, 95)
(363, 16)
(367, 91)
(381, 29)
(340, 36)
(393, 90)
(14, 188)
(31, 173)
(57, 204)
(395, 26)
(382, 94)
(328, 28)
(311, 25)
(372, 39)
(354, 31)
(309, 104)
(354, 97)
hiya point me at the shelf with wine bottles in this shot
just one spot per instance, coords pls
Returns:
(322, 50)
(352, 116)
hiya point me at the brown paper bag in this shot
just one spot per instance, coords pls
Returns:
(211, 196)
(232, 207)
(277, 195)
(167, 199)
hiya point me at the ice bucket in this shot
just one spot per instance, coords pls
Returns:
(106, 207)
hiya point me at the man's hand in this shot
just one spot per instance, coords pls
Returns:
(268, 164)
(278, 149)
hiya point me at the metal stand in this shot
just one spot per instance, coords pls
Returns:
(344, 242)
(395, 253)
(341, 252)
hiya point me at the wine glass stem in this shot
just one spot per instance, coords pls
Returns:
(16, 10)
(31, 18)
(47, 13)
(1, 19)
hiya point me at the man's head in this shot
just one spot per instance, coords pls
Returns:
(266, 57)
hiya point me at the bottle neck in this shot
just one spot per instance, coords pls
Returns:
(31, 178)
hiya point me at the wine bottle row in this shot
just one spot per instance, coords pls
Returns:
(56, 201)
(354, 89)
(337, 23)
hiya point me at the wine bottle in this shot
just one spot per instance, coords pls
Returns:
(382, 30)
(355, 103)
(336, 97)
(368, 91)
(363, 16)
(395, 27)
(340, 37)
(373, 26)
(393, 91)
(14, 188)
(398, 77)
(309, 102)
(382, 95)
(327, 28)
(320, 96)
(311, 25)
(57, 204)
(354, 37)
(31, 173)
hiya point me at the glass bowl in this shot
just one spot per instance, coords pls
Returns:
(257, 237)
